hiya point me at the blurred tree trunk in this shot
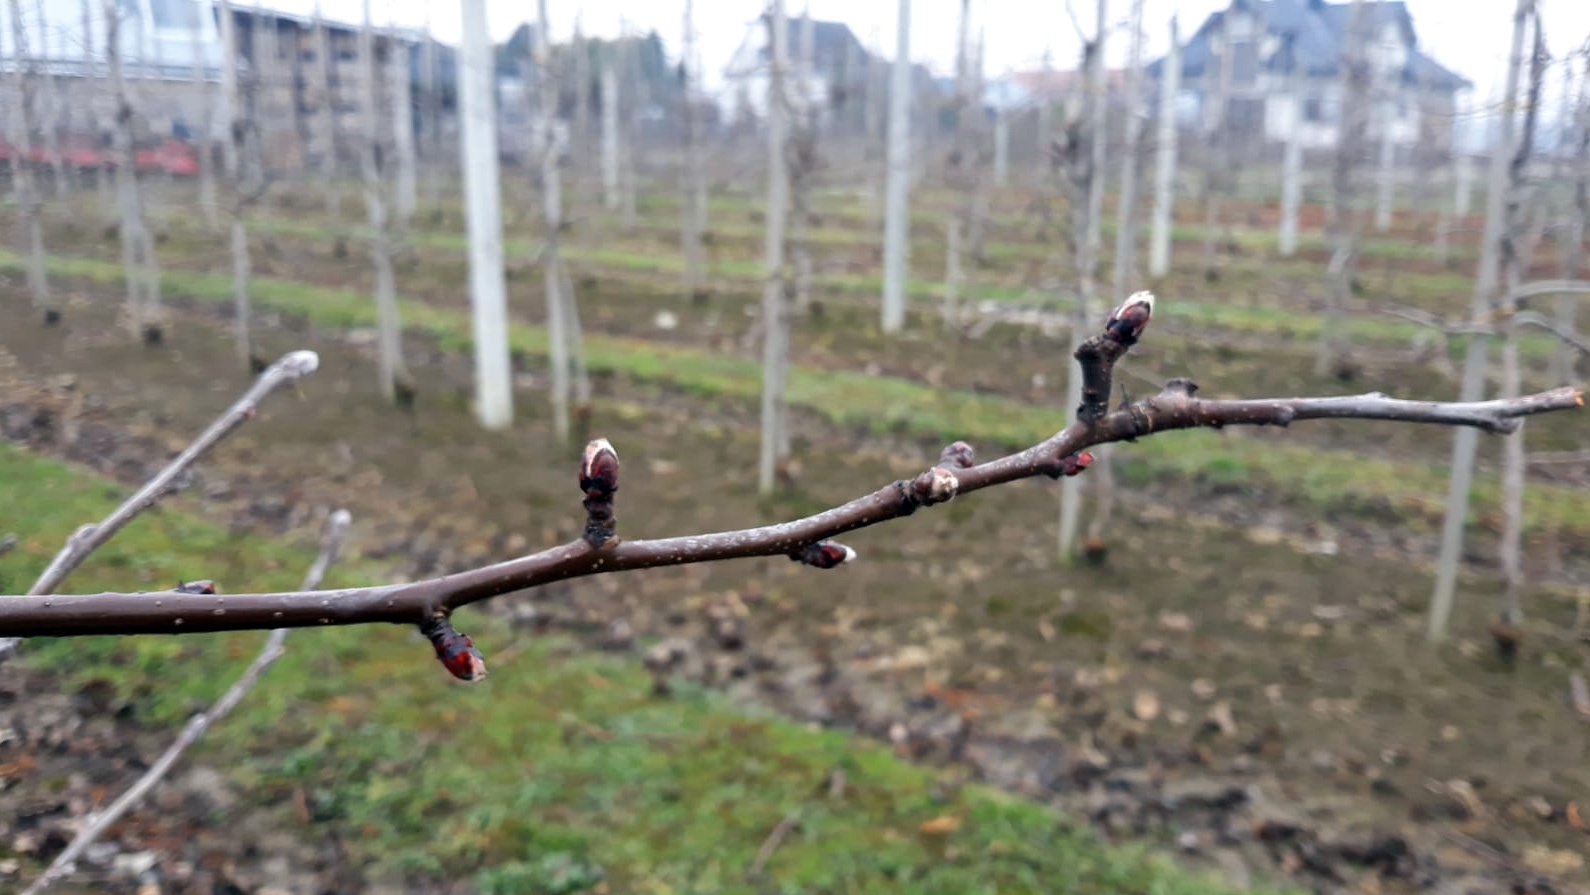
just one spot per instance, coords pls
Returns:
(1351, 142)
(552, 220)
(628, 159)
(1517, 251)
(1001, 148)
(801, 115)
(102, 175)
(143, 279)
(1216, 141)
(433, 160)
(199, 72)
(775, 293)
(1125, 253)
(241, 158)
(1084, 173)
(330, 151)
(1292, 174)
(401, 86)
(1576, 220)
(1165, 159)
(896, 228)
(694, 186)
(55, 116)
(1385, 184)
(395, 383)
(610, 150)
(25, 75)
(963, 168)
(1487, 283)
(488, 301)
(580, 74)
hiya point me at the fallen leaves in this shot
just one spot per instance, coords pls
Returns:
(943, 825)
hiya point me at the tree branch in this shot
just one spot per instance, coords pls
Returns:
(96, 824)
(88, 538)
(600, 551)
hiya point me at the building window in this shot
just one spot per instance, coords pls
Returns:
(1313, 109)
(182, 14)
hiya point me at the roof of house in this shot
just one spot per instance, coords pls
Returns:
(1310, 37)
(835, 47)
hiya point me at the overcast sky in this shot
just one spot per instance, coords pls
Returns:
(1468, 36)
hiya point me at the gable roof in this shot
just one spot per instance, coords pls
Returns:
(1310, 36)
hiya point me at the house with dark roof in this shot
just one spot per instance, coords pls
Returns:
(842, 68)
(1285, 73)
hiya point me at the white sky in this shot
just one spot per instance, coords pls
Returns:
(1468, 36)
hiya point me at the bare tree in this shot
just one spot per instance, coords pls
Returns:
(25, 76)
(329, 150)
(1385, 112)
(775, 292)
(580, 74)
(1125, 252)
(896, 228)
(801, 165)
(199, 72)
(565, 353)
(694, 185)
(1487, 282)
(1217, 137)
(137, 247)
(431, 117)
(245, 179)
(1292, 173)
(400, 84)
(964, 170)
(395, 383)
(1517, 250)
(1165, 158)
(1082, 157)
(488, 300)
(1352, 130)
(1576, 220)
(610, 133)
(636, 97)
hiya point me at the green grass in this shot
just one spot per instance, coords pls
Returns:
(1319, 477)
(1359, 328)
(558, 773)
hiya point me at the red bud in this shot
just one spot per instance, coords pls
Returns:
(824, 554)
(455, 650)
(1074, 464)
(599, 469)
(1127, 322)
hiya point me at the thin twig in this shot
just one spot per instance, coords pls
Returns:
(773, 841)
(331, 540)
(88, 538)
(805, 539)
(1579, 695)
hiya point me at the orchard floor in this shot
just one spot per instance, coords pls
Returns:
(1232, 681)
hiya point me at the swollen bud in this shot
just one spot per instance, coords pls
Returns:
(957, 456)
(202, 586)
(1127, 322)
(1074, 464)
(455, 650)
(824, 554)
(599, 481)
(599, 468)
